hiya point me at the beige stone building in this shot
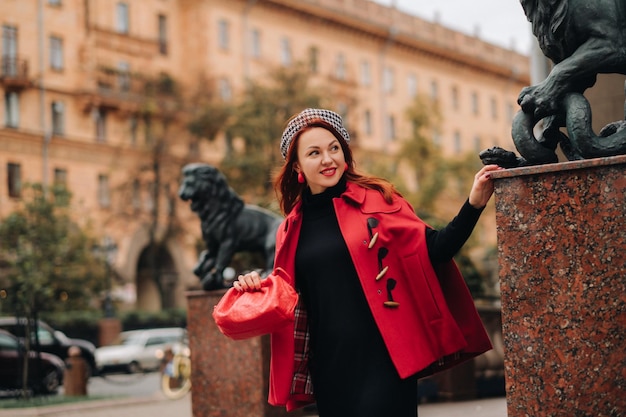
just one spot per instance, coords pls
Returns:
(75, 111)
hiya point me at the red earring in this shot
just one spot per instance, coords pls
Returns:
(300, 178)
(346, 166)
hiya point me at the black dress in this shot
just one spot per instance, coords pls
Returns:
(352, 372)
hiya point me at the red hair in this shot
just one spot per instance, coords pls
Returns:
(289, 190)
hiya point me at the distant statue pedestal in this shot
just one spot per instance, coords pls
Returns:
(562, 254)
(228, 378)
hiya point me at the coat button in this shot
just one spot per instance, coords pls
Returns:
(391, 304)
(373, 241)
(382, 273)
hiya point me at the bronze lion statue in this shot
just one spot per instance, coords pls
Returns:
(583, 39)
(228, 225)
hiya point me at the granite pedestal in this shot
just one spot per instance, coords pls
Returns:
(229, 378)
(562, 256)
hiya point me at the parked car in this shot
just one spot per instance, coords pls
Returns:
(136, 350)
(50, 340)
(45, 376)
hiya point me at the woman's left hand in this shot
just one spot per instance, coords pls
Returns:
(483, 186)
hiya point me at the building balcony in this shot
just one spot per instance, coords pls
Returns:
(14, 72)
(126, 92)
(114, 90)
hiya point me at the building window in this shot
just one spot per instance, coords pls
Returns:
(455, 98)
(136, 197)
(100, 120)
(60, 182)
(494, 108)
(475, 107)
(434, 90)
(149, 200)
(56, 53)
(11, 109)
(9, 51)
(60, 176)
(436, 137)
(122, 21)
(366, 73)
(340, 67)
(226, 93)
(104, 196)
(14, 179)
(457, 142)
(342, 110)
(509, 112)
(134, 127)
(391, 127)
(222, 34)
(477, 144)
(314, 59)
(54, 2)
(367, 122)
(285, 52)
(411, 85)
(388, 80)
(123, 76)
(255, 43)
(58, 118)
(162, 34)
(147, 130)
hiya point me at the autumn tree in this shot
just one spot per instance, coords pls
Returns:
(438, 177)
(48, 259)
(259, 120)
(50, 262)
(149, 194)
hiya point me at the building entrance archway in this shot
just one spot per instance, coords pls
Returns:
(156, 279)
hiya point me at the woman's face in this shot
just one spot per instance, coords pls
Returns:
(320, 159)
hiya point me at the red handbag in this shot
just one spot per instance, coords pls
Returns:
(242, 315)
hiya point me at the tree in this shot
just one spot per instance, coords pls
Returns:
(436, 175)
(156, 172)
(259, 121)
(422, 155)
(49, 260)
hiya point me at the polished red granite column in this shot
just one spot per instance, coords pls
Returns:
(562, 254)
(229, 378)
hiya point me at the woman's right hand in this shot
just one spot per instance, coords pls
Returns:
(248, 282)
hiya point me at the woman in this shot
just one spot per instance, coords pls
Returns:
(381, 300)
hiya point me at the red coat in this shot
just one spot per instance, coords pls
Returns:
(435, 324)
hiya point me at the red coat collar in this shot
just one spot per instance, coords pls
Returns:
(370, 201)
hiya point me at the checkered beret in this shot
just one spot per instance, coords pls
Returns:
(307, 117)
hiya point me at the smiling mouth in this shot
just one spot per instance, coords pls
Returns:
(329, 172)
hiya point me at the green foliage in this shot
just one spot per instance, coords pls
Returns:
(423, 156)
(50, 265)
(136, 319)
(259, 121)
(208, 119)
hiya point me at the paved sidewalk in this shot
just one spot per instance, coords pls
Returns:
(488, 407)
(159, 406)
(152, 406)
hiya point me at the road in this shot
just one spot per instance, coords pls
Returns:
(136, 395)
(139, 395)
(127, 385)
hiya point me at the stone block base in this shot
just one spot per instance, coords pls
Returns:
(562, 254)
(229, 378)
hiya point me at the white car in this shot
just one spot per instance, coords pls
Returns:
(136, 350)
